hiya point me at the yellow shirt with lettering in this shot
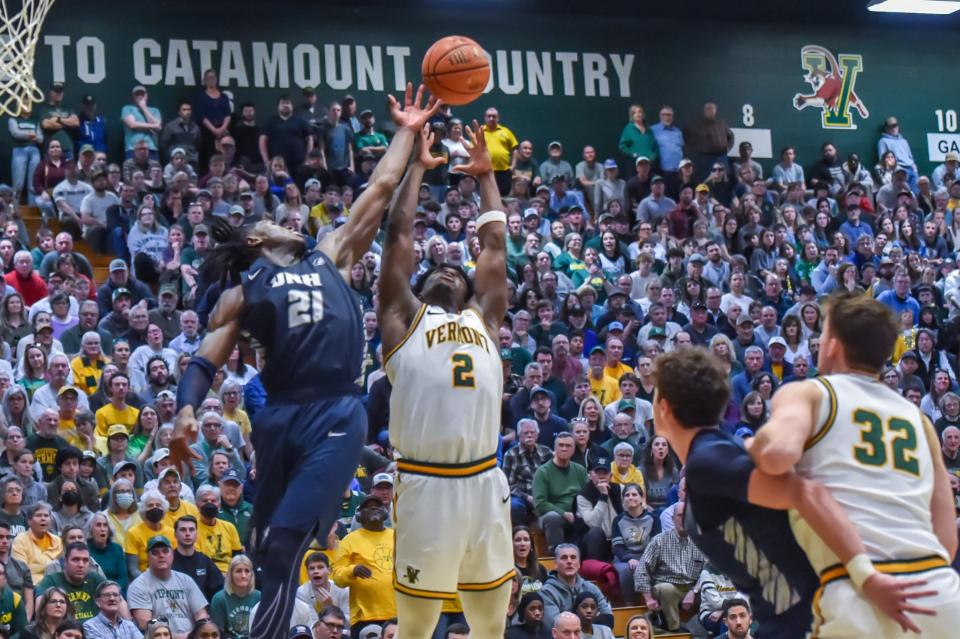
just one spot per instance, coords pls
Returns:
(220, 542)
(371, 599)
(139, 535)
(606, 389)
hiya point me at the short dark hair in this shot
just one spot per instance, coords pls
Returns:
(691, 372)
(66, 454)
(77, 545)
(457, 629)
(866, 328)
(314, 557)
(184, 518)
(331, 611)
(733, 603)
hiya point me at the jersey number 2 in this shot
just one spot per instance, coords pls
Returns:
(304, 307)
(872, 450)
(463, 371)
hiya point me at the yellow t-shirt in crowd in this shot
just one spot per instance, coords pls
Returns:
(606, 389)
(500, 144)
(139, 535)
(219, 542)
(185, 508)
(371, 599)
(107, 416)
(618, 371)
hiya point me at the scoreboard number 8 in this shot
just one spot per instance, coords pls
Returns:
(749, 119)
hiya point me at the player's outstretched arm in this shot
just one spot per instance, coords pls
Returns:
(778, 446)
(348, 243)
(942, 508)
(224, 329)
(398, 305)
(490, 279)
(830, 522)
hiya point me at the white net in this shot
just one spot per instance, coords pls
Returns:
(20, 23)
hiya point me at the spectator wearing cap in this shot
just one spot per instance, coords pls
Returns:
(520, 463)
(58, 122)
(611, 186)
(657, 206)
(170, 485)
(67, 399)
(142, 124)
(629, 385)
(555, 485)
(67, 463)
(166, 315)
(179, 163)
(381, 487)
(233, 508)
(25, 280)
(27, 139)
(161, 591)
(67, 197)
(364, 564)
(541, 410)
(369, 138)
(121, 279)
(946, 171)
(700, 329)
(598, 504)
(555, 166)
(562, 200)
(776, 352)
(602, 386)
(892, 140)
(117, 461)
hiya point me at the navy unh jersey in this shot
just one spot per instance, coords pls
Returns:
(753, 546)
(310, 323)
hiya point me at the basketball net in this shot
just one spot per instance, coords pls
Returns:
(19, 33)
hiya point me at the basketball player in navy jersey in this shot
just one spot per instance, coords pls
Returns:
(298, 306)
(737, 515)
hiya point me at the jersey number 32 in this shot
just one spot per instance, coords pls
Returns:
(874, 449)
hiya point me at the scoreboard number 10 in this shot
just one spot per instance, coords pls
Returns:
(946, 120)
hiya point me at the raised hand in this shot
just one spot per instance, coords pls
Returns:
(411, 115)
(480, 162)
(425, 142)
(892, 595)
(184, 433)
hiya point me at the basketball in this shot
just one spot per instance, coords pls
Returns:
(456, 69)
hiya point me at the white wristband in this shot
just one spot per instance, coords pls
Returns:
(860, 568)
(491, 216)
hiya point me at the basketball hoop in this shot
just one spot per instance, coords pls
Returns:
(20, 22)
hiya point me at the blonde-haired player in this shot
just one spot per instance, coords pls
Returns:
(878, 456)
(452, 516)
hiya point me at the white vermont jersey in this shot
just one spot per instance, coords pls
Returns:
(447, 381)
(871, 452)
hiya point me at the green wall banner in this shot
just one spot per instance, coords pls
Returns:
(554, 76)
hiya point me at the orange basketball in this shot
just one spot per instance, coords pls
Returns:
(456, 69)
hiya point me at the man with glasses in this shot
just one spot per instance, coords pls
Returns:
(161, 591)
(329, 624)
(213, 439)
(109, 622)
(519, 465)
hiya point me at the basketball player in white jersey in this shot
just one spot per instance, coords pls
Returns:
(441, 353)
(878, 455)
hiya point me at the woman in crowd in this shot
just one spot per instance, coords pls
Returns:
(570, 262)
(152, 509)
(632, 531)
(660, 472)
(592, 411)
(531, 572)
(158, 629)
(883, 171)
(141, 440)
(230, 608)
(54, 611)
(292, 202)
(60, 317)
(613, 262)
(213, 112)
(71, 511)
(623, 471)
(237, 370)
(16, 411)
(811, 320)
(26, 469)
(361, 281)
(753, 414)
(121, 511)
(147, 243)
(722, 348)
(206, 629)
(792, 333)
(11, 508)
(105, 551)
(36, 547)
(639, 627)
(13, 320)
(636, 139)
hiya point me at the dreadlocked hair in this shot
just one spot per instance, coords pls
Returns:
(230, 254)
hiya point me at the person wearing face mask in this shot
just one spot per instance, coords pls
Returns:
(71, 511)
(218, 539)
(153, 509)
(121, 510)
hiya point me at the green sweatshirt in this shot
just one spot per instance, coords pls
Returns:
(555, 488)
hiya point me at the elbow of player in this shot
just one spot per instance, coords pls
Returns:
(773, 459)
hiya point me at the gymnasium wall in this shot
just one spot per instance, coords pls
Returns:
(567, 77)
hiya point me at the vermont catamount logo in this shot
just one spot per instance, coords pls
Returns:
(833, 80)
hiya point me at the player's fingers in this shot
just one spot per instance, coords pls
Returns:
(461, 168)
(408, 94)
(906, 624)
(918, 594)
(391, 102)
(433, 105)
(417, 101)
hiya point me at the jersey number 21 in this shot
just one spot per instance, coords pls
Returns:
(304, 307)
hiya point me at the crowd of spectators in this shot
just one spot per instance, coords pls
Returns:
(692, 248)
